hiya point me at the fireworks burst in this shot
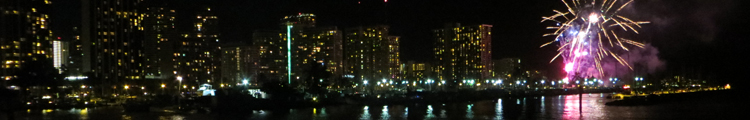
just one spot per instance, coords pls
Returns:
(587, 35)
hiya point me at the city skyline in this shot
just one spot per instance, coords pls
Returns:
(511, 40)
(372, 59)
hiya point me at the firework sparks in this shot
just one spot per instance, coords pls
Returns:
(583, 32)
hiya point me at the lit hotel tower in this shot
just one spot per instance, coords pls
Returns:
(271, 53)
(322, 46)
(24, 34)
(372, 54)
(293, 25)
(160, 41)
(463, 52)
(112, 35)
(198, 53)
(237, 63)
(307, 44)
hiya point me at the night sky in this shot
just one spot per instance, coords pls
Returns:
(692, 36)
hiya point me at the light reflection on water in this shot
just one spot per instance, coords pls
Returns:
(365, 115)
(550, 107)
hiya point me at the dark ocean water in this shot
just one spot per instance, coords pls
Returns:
(548, 107)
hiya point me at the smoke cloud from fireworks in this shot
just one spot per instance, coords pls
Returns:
(696, 18)
(644, 61)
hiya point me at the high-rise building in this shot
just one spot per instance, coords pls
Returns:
(372, 54)
(24, 34)
(394, 62)
(198, 53)
(75, 54)
(294, 27)
(160, 41)
(59, 54)
(321, 45)
(463, 52)
(307, 45)
(237, 64)
(415, 72)
(299, 22)
(506, 67)
(112, 36)
(271, 53)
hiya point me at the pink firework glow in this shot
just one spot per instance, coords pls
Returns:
(569, 67)
(586, 33)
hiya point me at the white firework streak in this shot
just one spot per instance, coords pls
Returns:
(581, 40)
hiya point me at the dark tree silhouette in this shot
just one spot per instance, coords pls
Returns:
(274, 87)
(344, 82)
(517, 74)
(9, 102)
(262, 78)
(318, 78)
(39, 72)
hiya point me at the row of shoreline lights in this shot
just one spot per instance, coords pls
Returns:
(127, 86)
(179, 78)
(430, 81)
(498, 82)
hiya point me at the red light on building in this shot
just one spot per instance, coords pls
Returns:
(386, 0)
(626, 87)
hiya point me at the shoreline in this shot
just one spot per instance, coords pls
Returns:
(654, 99)
(405, 99)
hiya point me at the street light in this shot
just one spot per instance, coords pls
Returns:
(162, 88)
(364, 88)
(83, 88)
(179, 104)
(429, 82)
(179, 78)
(126, 89)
